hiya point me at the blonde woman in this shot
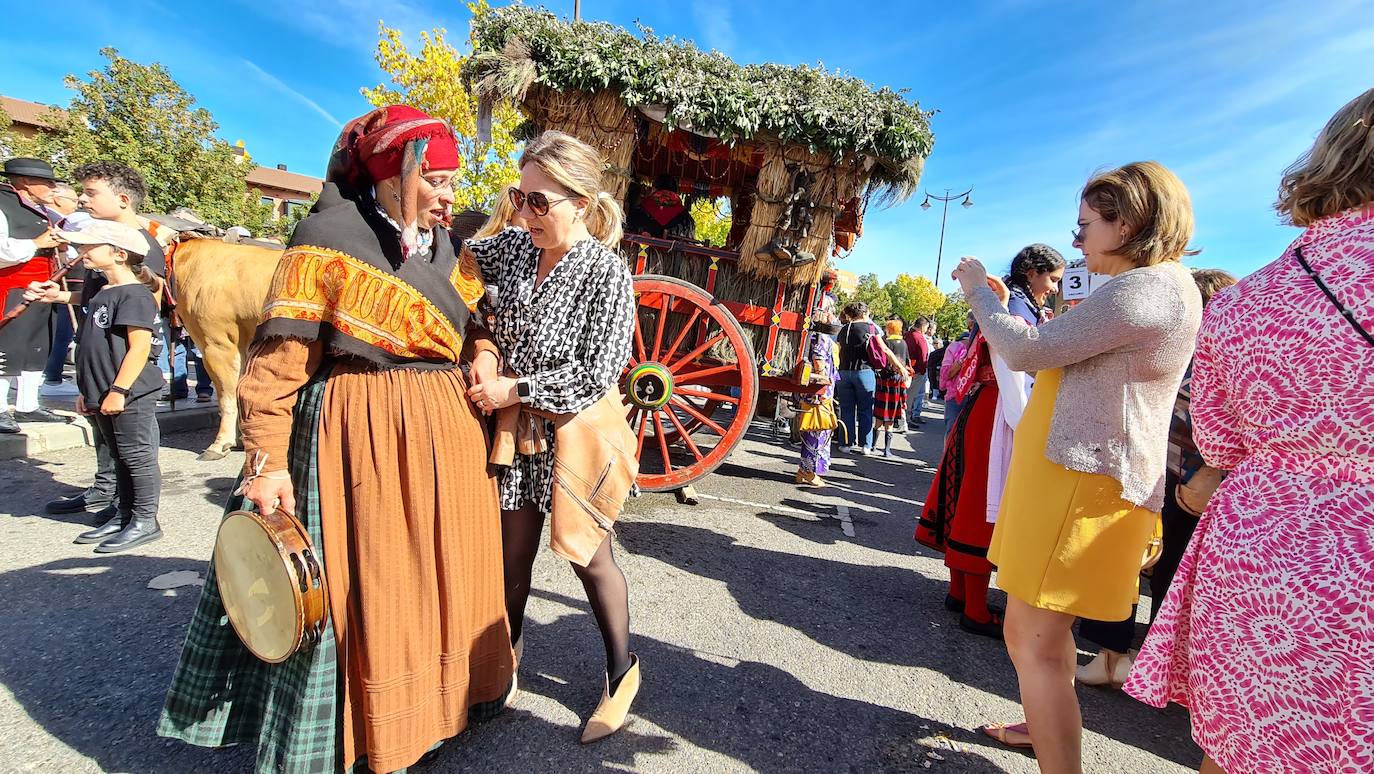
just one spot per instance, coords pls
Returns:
(1267, 632)
(1086, 481)
(563, 320)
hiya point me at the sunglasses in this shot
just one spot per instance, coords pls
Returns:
(538, 202)
(1078, 232)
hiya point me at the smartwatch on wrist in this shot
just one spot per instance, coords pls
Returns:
(524, 389)
(117, 390)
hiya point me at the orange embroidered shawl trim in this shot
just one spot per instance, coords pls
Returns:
(358, 300)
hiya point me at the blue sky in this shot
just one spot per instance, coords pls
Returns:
(1033, 96)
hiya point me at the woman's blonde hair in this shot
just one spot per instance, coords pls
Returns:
(1212, 281)
(1153, 203)
(1337, 173)
(576, 166)
(502, 213)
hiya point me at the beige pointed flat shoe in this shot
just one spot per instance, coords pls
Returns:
(515, 673)
(611, 712)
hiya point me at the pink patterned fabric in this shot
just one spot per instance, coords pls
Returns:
(1267, 634)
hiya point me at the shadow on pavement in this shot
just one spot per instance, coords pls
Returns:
(28, 484)
(88, 652)
(885, 614)
(753, 713)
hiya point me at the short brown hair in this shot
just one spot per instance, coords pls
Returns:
(1153, 203)
(1211, 281)
(1337, 173)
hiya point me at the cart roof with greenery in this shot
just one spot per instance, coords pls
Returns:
(600, 82)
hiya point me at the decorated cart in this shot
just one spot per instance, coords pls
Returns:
(799, 153)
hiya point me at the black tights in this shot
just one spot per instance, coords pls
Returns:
(601, 578)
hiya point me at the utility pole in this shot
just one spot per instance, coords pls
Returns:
(577, 10)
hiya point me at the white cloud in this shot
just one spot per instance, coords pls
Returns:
(281, 86)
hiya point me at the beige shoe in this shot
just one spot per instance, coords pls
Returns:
(1107, 669)
(810, 479)
(611, 712)
(515, 673)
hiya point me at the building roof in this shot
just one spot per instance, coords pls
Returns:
(27, 113)
(271, 177)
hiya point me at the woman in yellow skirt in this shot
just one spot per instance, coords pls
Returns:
(1087, 472)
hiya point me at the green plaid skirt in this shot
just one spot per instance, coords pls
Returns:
(223, 695)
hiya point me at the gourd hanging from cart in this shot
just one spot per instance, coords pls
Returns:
(799, 152)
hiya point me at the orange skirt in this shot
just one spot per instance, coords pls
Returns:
(412, 546)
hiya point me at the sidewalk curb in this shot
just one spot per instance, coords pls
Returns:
(39, 438)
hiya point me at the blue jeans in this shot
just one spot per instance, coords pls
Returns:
(916, 398)
(62, 335)
(178, 371)
(854, 392)
(952, 408)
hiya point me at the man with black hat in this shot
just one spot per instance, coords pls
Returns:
(27, 249)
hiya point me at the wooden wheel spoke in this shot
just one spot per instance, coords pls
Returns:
(643, 423)
(691, 377)
(662, 443)
(723, 398)
(690, 356)
(682, 335)
(662, 323)
(685, 436)
(686, 405)
(639, 342)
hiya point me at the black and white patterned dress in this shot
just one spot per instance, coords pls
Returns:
(571, 336)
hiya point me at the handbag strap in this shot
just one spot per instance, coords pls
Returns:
(1346, 313)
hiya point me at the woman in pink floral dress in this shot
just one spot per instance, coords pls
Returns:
(1267, 634)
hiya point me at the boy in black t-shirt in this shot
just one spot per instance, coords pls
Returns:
(116, 370)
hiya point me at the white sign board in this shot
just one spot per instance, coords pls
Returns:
(1079, 283)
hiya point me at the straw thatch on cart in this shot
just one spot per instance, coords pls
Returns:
(617, 90)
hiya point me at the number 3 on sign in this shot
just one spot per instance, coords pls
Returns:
(1076, 283)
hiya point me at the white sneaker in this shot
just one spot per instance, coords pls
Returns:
(61, 389)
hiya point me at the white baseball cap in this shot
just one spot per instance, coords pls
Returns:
(108, 232)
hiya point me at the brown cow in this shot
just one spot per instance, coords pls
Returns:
(220, 290)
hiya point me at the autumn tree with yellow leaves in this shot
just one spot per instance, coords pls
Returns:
(431, 80)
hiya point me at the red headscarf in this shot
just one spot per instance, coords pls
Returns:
(396, 140)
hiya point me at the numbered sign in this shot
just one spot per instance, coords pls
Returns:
(1076, 284)
(1079, 283)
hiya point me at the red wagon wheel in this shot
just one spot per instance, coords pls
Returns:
(691, 386)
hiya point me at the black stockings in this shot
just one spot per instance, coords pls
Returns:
(601, 579)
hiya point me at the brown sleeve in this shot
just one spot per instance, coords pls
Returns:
(478, 339)
(277, 369)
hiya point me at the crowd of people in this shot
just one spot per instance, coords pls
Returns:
(1215, 432)
(1228, 452)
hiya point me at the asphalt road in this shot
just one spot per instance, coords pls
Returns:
(779, 630)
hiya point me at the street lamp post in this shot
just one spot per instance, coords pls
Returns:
(925, 205)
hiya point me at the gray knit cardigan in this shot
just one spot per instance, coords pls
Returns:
(1123, 350)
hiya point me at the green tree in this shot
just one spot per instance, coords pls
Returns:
(712, 219)
(913, 297)
(431, 80)
(952, 318)
(139, 115)
(875, 295)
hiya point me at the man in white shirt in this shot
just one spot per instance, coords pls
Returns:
(28, 244)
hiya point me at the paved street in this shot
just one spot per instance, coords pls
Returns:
(779, 630)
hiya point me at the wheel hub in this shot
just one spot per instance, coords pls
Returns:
(650, 385)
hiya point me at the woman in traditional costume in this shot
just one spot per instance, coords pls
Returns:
(815, 444)
(563, 315)
(355, 418)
